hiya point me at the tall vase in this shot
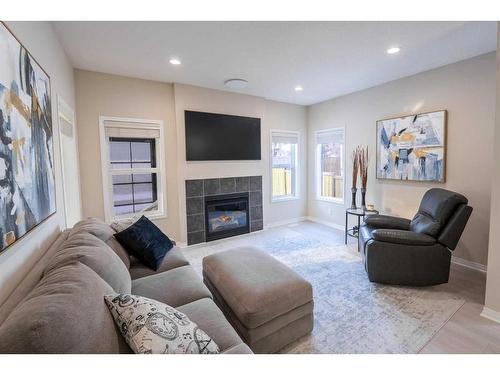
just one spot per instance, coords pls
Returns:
(353, 204)
(363, 202)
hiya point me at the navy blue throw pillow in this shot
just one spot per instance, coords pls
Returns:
(145, 241)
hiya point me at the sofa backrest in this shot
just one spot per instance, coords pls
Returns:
(436, 208)
(31, 279)
(64, 313)
(85, 248)
(59, 306)
(104, 232)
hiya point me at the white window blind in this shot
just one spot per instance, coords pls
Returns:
(128, 131)
(330, 136)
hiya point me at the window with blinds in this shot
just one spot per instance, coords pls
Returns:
(284, 154)
(330, 154)
(132, 168)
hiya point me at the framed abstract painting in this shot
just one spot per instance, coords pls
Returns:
(412, 148)
(27, 181)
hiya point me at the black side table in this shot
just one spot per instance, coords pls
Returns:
(360, 213)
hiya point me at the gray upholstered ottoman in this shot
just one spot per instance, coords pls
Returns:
(267, 303)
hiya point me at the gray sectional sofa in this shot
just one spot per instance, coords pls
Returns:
(59, 306)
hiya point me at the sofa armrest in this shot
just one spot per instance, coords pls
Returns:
(387, 222)
(403, 237)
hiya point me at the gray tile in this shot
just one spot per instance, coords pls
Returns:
(256, 225)
(242, 184)
(196, 237)
(194, 188)
(256, 213)
(256, 183)
(227, 185)
(194, 205)
(255, 198)
(195, 223)
(211, 186)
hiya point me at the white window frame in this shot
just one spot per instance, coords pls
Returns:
(296, 196)
(317, 165)
(160, 170)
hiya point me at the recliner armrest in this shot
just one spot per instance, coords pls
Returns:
(387, 222)
(403, 237)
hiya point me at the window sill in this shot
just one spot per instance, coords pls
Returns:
(330, 200)
(151, 216)
(284, 199)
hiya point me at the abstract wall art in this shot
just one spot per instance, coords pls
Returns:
(27, 183)
(412, 148)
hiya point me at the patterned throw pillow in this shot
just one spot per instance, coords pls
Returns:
(151, 327)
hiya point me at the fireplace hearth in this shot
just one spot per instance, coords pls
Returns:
(226, 215)
(228, 220)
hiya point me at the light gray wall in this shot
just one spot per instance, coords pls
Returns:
(99, 94)
(41, 41)
(273, 115)
(467, 90)
(493, 275)
(282, 116)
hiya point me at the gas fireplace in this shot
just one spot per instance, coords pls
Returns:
(226, 215)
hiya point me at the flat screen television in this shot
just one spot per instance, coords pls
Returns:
(212, 136)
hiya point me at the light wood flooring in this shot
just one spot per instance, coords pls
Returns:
(466, 332)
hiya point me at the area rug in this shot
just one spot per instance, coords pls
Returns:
(351, 314)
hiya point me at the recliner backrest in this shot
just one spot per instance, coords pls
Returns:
(436, 208)
(455, 226)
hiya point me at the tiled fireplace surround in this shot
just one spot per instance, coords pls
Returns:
(197, 190)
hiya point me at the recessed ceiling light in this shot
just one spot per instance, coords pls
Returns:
(236, 83)
(393, 50)
(175, 61)
(299, 88)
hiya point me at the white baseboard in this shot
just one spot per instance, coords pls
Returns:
(490, 314)
(325, 222)
(285, 222)
(469, 264)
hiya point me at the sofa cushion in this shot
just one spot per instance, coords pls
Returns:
(173, 259)
(211, 320)
(121, 225)
(152, 327)
(64, 313)
(103, 231)
(175, 287)
(94, 253)
(146, 241)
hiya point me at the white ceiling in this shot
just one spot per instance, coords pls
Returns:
(328, 59)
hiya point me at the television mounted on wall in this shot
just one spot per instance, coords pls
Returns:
(213, 136)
